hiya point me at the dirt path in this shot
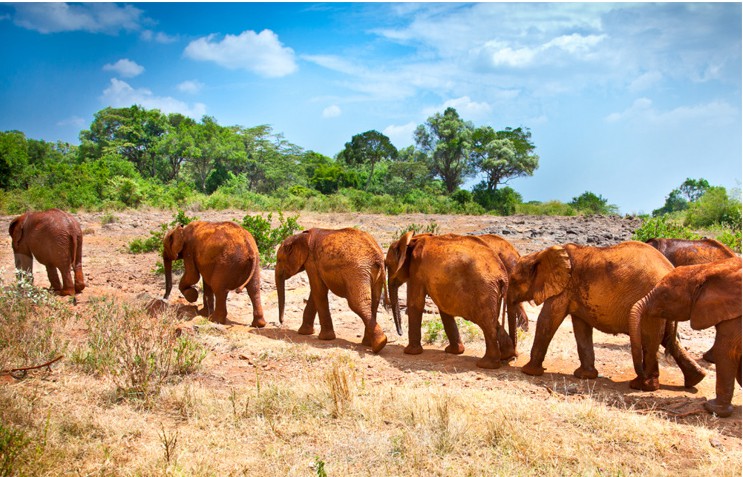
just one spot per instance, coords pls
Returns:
(111, 270)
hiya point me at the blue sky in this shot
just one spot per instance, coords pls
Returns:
(625, 100)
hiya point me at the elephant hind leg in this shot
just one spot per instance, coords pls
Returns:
(56, 285)
(374, 337)
(254, 292)
(692, 372)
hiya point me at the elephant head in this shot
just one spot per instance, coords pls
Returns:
(397, 264)
(539, 276)
(21, 250)
(290, 260)
(172, 250)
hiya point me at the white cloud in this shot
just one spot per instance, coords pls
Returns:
(91, 17)
(332, 111)
(191, 86)
(642, 110)
(75, 121)
(401, 136)
(158, 37)
(120, 94)
(261, 53)
(645, 81)
(464, 106)
(125, 67)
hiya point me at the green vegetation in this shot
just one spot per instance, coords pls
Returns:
(697, 210)
(154, 243)
(429, 228)
(268, 237)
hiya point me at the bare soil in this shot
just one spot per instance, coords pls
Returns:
(111, 270)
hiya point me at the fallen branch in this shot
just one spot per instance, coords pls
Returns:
(14, 372)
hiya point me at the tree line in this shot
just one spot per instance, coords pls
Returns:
(125, 146)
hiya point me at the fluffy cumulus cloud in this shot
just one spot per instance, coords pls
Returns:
(642, 109)
(401, 136)
(332, 111)
(120, 94)
(261, 53)
(464, 106)
(125, 68)
(91, 17)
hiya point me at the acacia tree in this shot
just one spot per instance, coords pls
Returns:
(368, 149)
(446, 139)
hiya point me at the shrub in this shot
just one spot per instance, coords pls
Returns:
(430, 228)
(502, 201)
(714, 207)
(553, 207)
(590, 203)
(267, 237)
(154, 243)
(662, 227)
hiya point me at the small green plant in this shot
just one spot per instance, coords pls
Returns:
(154, 243)
(429, 228)
(267, 237)
(662, 227)
(432, 331)
(108, 218)
(13, 443)
(319, 466)
(188, 355)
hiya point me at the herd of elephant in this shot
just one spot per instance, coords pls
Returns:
(635, 288)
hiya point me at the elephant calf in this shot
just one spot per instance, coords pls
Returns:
(225, 255)
(55, 239)
(708, 294)
(347, 262)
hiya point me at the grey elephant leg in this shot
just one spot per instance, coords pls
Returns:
(727, 349)
(416, 302)
(552, 315)
(452, 332)
(254, 292)
(308, 317)
(584, 339)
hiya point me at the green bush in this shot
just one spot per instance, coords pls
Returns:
(430, 228)
(501, 201)
(154, 243)
(590, 203)
(267, 237)
(552, 208)
(714, 207)
(662, 227)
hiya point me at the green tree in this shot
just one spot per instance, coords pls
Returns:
(13, 158)
(674, 203)
(178, 146)
(216, 145)
(694, 189)
(503, 155)
(407, 172)
(593, 204)
(367, 150)
(446, 139)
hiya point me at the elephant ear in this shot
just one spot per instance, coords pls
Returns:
(551, 272)
(174, 241)
(297, 251)
(717, 299)
(16, 228)
(402, 250)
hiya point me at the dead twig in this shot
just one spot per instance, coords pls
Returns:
(23, 371)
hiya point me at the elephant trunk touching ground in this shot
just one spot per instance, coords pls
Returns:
(635, 334)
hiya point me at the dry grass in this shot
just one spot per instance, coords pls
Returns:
(323, 413)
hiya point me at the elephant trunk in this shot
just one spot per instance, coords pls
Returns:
(395, 308)
(635, 334)
(280, 291)
(168, 265)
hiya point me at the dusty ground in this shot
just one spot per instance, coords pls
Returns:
(111, 270)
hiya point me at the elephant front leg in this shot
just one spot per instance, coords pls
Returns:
(452, 332)
(190, 278)
(552, 315)
(308, 317)
(584, 338)
(727, 349)
(416, 302)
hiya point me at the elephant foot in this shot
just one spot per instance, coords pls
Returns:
(379, 344)
(455, 348)
(720, 410)
(79, 287)
(709, 356)
(642, 384)
(222, 320)
(532, 369)
(306, 330)
(326, 335)
(190, 294)
(693, 376)
(258, 322)
(583, 373)
(413, 349)
(488, 363)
